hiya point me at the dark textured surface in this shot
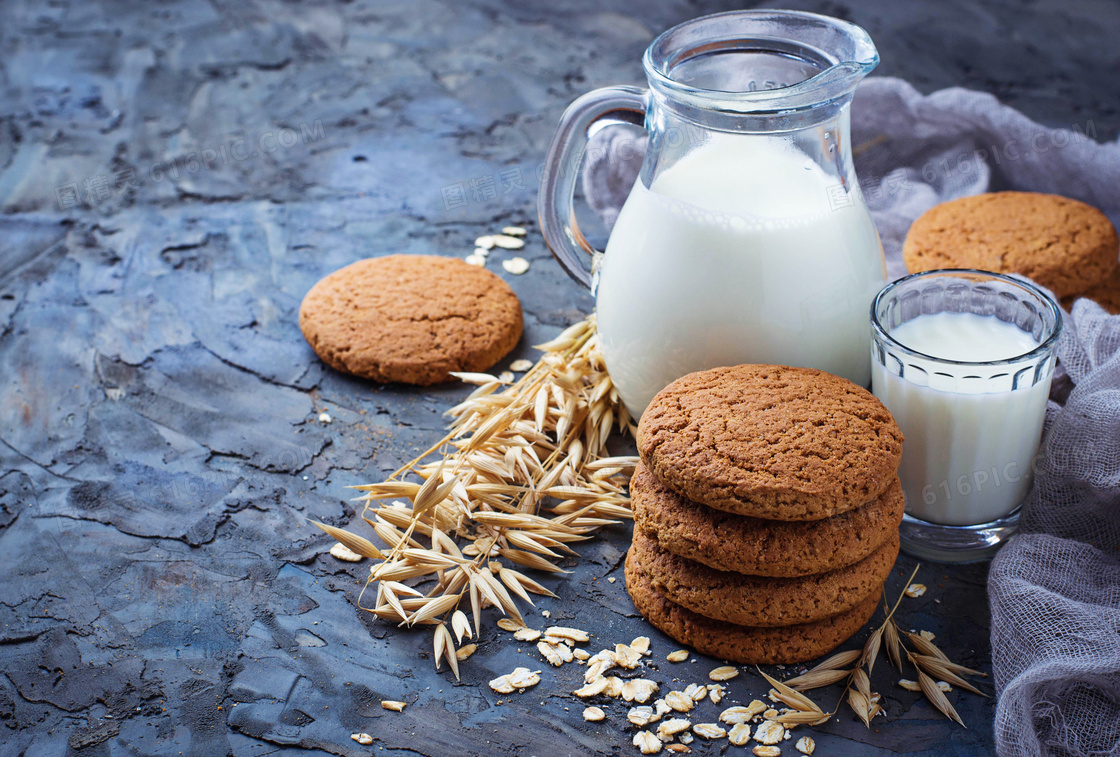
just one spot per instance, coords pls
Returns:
(162, 591)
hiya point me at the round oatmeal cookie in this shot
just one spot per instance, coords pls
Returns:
(1064, 245)
(411, 319)
(760, 600)
(770, 441)
(775, 645)
(758, 547)
(1106, 294)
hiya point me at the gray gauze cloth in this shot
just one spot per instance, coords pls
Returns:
(1054, 590)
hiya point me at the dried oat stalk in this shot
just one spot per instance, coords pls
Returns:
(936, 675)
(519, 478)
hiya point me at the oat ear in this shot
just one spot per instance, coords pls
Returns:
(894, 645)
(815, 679)
(871, 649)
(937, 698)
(351, 541)
(530, 560)
(461, 626)
(789, 696)
(443, 641)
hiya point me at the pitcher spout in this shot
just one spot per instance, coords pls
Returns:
(761, 64)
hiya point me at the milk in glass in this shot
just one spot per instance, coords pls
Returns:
(970, 437)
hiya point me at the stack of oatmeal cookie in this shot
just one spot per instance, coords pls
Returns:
(766, 511)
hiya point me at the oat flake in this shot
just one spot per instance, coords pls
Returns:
(516, 266)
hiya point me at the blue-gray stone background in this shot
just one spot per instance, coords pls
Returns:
(174, 177)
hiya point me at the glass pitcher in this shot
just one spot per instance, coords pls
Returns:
(746, 238)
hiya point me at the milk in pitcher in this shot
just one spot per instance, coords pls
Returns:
(736, 254)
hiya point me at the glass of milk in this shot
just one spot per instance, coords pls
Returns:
(963, 360)
(746, 238)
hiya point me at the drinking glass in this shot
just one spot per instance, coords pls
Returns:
(972, 428)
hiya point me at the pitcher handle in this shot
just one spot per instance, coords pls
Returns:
(585, 116)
